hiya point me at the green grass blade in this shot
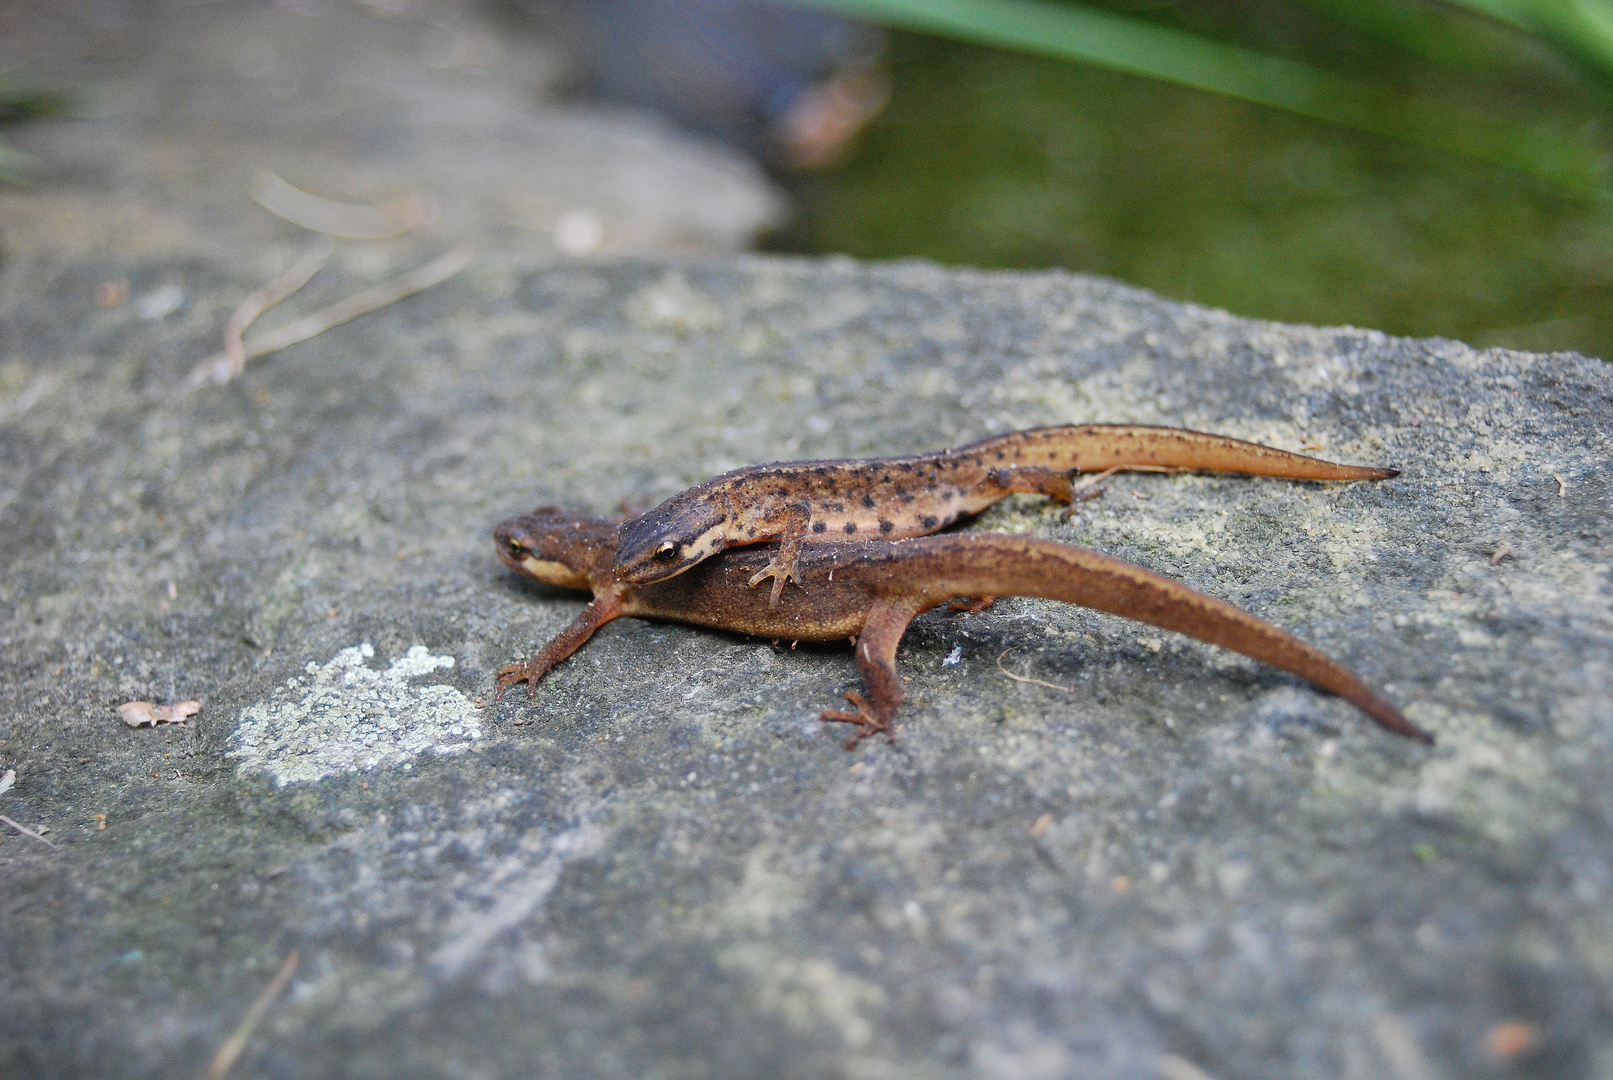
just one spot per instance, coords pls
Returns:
(1159, 52)
(1457, 38)
(1581, 28)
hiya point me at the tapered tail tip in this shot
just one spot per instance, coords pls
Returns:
(1391, 718)
(1386, 474)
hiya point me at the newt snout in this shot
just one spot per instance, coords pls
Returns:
(556, 546)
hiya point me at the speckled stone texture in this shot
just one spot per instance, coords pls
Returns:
(1161, 860)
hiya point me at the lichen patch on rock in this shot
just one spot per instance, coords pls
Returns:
(345, 716)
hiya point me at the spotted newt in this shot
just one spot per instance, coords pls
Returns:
(870, 590)
(892, 498)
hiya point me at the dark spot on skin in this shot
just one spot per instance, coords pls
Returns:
(885, 526)
(907, 498)
(851, 526)
(885, 478)
(905, 466)
(901, 492)
(821, 470)
(819, 526)
(868, 502)
(929, 522)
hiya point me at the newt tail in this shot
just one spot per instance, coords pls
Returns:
(870, 591)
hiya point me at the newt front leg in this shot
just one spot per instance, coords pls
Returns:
(604, 607)
(786, 560)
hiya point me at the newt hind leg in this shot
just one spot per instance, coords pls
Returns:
(1059, 486)
(867, 722)
(1033, 480)
(1087, 488)
(876, 659)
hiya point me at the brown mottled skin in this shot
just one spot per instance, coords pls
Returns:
(892, 498)
(869, 591)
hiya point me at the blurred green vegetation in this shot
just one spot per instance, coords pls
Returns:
(22, 103)
(1228, 48)
(993, 158)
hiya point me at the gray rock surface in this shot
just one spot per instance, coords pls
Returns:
(1171, 862)
(362, 102)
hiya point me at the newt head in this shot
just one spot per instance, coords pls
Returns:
(671, 538)
(557, 547)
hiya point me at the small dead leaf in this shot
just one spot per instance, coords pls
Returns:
(138, 713)
(1500, 553)
(1042, 824)
(112, 294)
(100, 823)
(8, 780)
(146, 714)
(1120, 884)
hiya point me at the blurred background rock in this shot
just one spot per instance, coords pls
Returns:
(184, 104)
(1472, 199)
(788, 85)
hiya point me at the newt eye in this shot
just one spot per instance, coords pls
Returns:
(666, 551)
(515, 545)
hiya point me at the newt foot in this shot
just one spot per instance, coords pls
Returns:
(517, 673)
(966, 605)
(781, 576)
(867, 723)
(1086, 489)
